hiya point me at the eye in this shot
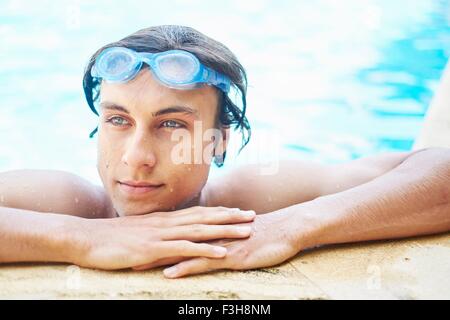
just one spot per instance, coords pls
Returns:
(171, 124)
(117, 121)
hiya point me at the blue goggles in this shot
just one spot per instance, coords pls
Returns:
(176, 69)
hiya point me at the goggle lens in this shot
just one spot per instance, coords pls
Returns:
(116, 63)
(177, 68)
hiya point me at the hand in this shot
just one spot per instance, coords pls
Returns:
(139, 240)
(273, 240)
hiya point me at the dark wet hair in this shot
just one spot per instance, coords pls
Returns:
(210, 52)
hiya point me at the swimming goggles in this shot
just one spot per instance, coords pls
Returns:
(176, 69)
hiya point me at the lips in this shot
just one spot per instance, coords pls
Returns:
(140, 184)
(138, 187)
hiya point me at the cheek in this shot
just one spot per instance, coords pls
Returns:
(189, 179)
(105, 157)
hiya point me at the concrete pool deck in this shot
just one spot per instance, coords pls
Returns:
(416, 268)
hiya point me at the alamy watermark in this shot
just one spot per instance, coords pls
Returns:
(203, 146)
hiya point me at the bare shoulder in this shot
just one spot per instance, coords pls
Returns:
(53, 191)
(266, 188)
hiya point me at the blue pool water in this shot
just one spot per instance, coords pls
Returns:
(329, 80)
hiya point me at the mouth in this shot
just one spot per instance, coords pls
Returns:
(138, 187)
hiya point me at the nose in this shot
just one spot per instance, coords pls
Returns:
(139, 152)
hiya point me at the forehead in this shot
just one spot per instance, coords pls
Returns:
(145, 94)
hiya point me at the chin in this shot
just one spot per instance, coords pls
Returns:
(137, 209)
(133, 211)
(162, 203)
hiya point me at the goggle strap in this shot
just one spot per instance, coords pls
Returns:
(219, 80)
(93, 132)
(94, 72)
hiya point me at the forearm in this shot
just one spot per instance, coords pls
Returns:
(412, 199)
(35, 236)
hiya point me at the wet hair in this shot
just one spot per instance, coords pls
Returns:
(210, 52)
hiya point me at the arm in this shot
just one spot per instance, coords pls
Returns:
(124, 242)
(35, 236)
(411, 199)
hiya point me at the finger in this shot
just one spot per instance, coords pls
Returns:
(201, 232)
(185, 248)
(192, 266)
(221, 242)
(211, 216)
(181, 212)
(215, 216)
(190, 211)
(159, 263)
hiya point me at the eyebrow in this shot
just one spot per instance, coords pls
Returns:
(171, 109)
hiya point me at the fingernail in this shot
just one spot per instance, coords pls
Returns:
(170, 272)
(220, 251)
(244, 230)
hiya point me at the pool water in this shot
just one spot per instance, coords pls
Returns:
(328, 80)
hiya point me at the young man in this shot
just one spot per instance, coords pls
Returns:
(157, 207)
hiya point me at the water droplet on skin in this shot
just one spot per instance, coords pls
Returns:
(171, 190)
(269, 198)
(76, 200)
(189, 168)
(2, 198)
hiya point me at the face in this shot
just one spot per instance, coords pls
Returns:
(144, 128)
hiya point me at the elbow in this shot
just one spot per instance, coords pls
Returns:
(432, 167)
(447, 175)
(3, 198)
(440, 160)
